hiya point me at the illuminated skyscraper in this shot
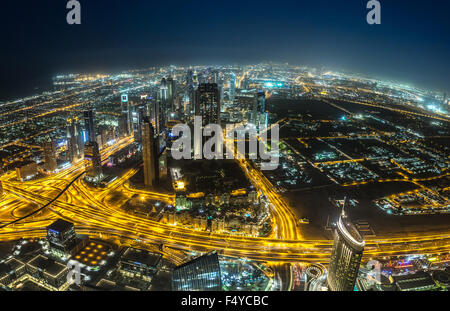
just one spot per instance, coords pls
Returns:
(259, 108)
(138, 117)
(200, 274)
(163, 90)
(346, 256)
(156, 115)
(126, 109)
(50, 155)
(89, 124)
(261, 97)
(190, 92)
(207, 103)
(74, 140)
(123, 124)
(150, 154)
(190, 78)
(92, 161)
(232, 86)
(163, 106)
(171, 93)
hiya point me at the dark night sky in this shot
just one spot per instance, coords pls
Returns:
(411, 45)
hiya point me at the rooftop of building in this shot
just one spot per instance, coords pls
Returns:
(10, 265)
(210, 256)
(420, 279)
(47, 265)
(60, 225)
(350, 233)
(141, 257)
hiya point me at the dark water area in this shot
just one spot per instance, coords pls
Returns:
(18, 85)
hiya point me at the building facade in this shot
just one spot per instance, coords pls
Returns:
(207, 103)
(150, 154)
(92, 161)
(345, 256)
(61, 237)
(200, 274)
(50, 155)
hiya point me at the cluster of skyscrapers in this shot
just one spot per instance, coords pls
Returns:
(149, 120)
(80, 144)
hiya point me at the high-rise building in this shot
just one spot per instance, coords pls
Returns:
(150, 153)
(171, 94)
(190, 92)
(200, 274)
(154, 111)
(50, 155)
(74, 140)
(261, 99)
(164, 90)
(89, 124)
(190, 78)
(259, 115)
(127, 109)
(345, 256)
(232, 91)
(163, 106)
(123, 124)
(61, 237)
(207, 103)
(92, 161)
(137, 118)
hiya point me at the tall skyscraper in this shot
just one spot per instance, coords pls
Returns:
(163, 90)
(232, 86)
(346, 255)
(189, 78)
(92, 161)
(207, 103)
(50, 155)
(190, 92)
(123, 124)
(89, 124)
(74, 140)
(200, 274)
(127, 109)
(259, 109)
(171, 94)
(138, 117)
(156, 115)
(163, 106)
(150, 154)
(261, 98)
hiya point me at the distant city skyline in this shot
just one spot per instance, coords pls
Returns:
(410, 46)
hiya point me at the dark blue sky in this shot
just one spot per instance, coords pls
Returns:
(411, 45)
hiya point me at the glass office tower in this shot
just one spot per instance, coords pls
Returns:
(200, 274)
(345, 257)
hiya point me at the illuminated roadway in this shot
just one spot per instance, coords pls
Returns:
(93, 213)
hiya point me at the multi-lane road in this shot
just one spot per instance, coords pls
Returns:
(94, 212)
